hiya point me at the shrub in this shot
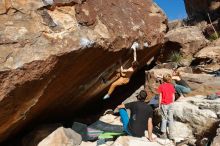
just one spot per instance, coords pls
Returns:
(175, 57)
(213, 37)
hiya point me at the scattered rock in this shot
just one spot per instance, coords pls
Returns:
(186, 69)
(88, 144)
(168, 65)
(182, 131)
(133, 141)
(208, 59)
(216, 141)
(175, 24)
(188, 111)
(62, 136)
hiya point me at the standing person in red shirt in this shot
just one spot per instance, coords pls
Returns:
(167, 97)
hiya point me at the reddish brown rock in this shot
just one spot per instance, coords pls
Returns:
(53, 57)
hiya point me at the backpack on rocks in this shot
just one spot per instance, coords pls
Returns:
(213, 96)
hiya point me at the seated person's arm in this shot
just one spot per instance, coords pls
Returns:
(120, 106)
(177, 78)
(173, 97)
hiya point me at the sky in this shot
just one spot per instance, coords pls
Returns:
(174, 9)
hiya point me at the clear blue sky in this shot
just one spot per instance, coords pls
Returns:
(174, 9)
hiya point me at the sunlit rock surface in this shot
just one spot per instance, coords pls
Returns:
(54, 54)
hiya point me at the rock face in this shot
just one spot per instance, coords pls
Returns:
(196, 111)
(53, 53)
(201, 84)
(175, 24)
(208, 58)
(186, 41)
(216, 141)
(190, 38)
(182, 131)
(198, 9)
(62, 136)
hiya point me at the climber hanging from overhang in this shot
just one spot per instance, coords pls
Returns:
(125, 74)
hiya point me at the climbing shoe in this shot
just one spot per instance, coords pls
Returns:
(106, 97)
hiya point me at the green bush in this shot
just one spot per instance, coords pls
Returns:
(213, 37)
(175, 57)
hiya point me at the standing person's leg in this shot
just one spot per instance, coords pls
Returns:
(125, 119)
(163, 127)
(171, 121)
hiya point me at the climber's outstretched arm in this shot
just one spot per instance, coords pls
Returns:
(130, 69)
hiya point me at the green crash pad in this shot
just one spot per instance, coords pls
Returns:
(108, 135)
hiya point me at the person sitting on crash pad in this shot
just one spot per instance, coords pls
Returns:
(125, 75)
(140, 119)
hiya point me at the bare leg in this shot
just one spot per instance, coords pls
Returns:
(119, 82)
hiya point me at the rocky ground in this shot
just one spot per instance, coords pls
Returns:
(196, 121)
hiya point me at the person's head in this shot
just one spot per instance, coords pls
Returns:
(142, 95)
(135, 64)
(167, 78)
